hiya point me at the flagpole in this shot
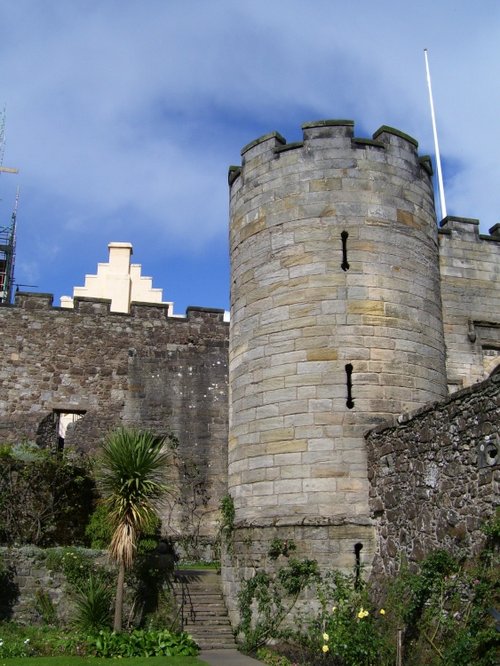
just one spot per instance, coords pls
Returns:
(436, 144)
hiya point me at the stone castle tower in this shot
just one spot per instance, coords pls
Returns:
(350, 309)
(336, 327)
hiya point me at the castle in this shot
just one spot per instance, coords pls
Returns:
(351, 313)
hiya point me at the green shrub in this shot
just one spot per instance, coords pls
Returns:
(26, 641)
(141, 643)
(92, 605)
(76, 565)
(99, 529)
(29, 641)
(45, 499)
(272, 658)
(281, 547)
(443, 611)
(16, 648)
(347, 629)
(44, 606)
(228, 513)
(266, 600)
(448, 611)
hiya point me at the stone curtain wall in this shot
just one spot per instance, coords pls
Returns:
(435, 477)
(28, 574)
(144, 369)
(470, 271)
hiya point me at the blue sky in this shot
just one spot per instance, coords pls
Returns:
(124, 115)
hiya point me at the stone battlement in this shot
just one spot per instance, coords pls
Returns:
(467, 226)
(35, 301)
(334, 135)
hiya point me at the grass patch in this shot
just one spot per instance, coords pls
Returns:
(97, 661)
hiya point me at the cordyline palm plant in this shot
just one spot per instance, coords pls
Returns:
(132, 478)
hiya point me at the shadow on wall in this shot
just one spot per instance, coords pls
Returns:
(9, 591)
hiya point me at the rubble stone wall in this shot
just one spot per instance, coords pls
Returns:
(434, 478)
(27, 575)
(146, 369)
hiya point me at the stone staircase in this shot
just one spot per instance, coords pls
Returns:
(203, 611)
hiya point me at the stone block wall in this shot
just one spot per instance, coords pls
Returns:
(335, 327)
(434, 478)
(331, 544)
(29, 574)
(145, 369)
(335, 282)
(470, 271)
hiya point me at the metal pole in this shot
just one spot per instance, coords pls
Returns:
(399, 648)
(436, 144)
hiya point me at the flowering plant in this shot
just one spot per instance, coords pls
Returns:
(348, 629)
(15, 648)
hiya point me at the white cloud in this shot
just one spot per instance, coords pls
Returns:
(124, 116)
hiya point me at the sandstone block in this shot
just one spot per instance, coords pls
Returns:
(287, 446)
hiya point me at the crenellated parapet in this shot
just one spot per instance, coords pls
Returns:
(467, 228)
(470, 272)
(331, 139)
(95, 369)
(36, 301)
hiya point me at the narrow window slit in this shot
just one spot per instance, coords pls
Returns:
(357, 566)
(348, 371)
(345, 264)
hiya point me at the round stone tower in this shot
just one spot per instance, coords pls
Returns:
(336, 327)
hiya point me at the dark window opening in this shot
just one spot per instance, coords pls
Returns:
(348, 371)
(63, 421)
(357, 565)
(345, 264)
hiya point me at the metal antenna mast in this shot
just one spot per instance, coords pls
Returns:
(4, 169)
(436, 144)
(7, 233)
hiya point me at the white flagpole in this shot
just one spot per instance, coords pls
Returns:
(436, 144)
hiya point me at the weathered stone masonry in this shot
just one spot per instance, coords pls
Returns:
(144, 369)
(435, 477)
(344, 304)
(469, 268)
(349, 307)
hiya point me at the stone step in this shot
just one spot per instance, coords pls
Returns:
(204, 584)
(203, 598)
(208, 605)
(216, 645)
(200, 620)
(204, 612)
(209, 630)
(205, 603)
(213, 589)
(203, 616)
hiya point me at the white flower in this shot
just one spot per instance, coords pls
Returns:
(27, 641)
